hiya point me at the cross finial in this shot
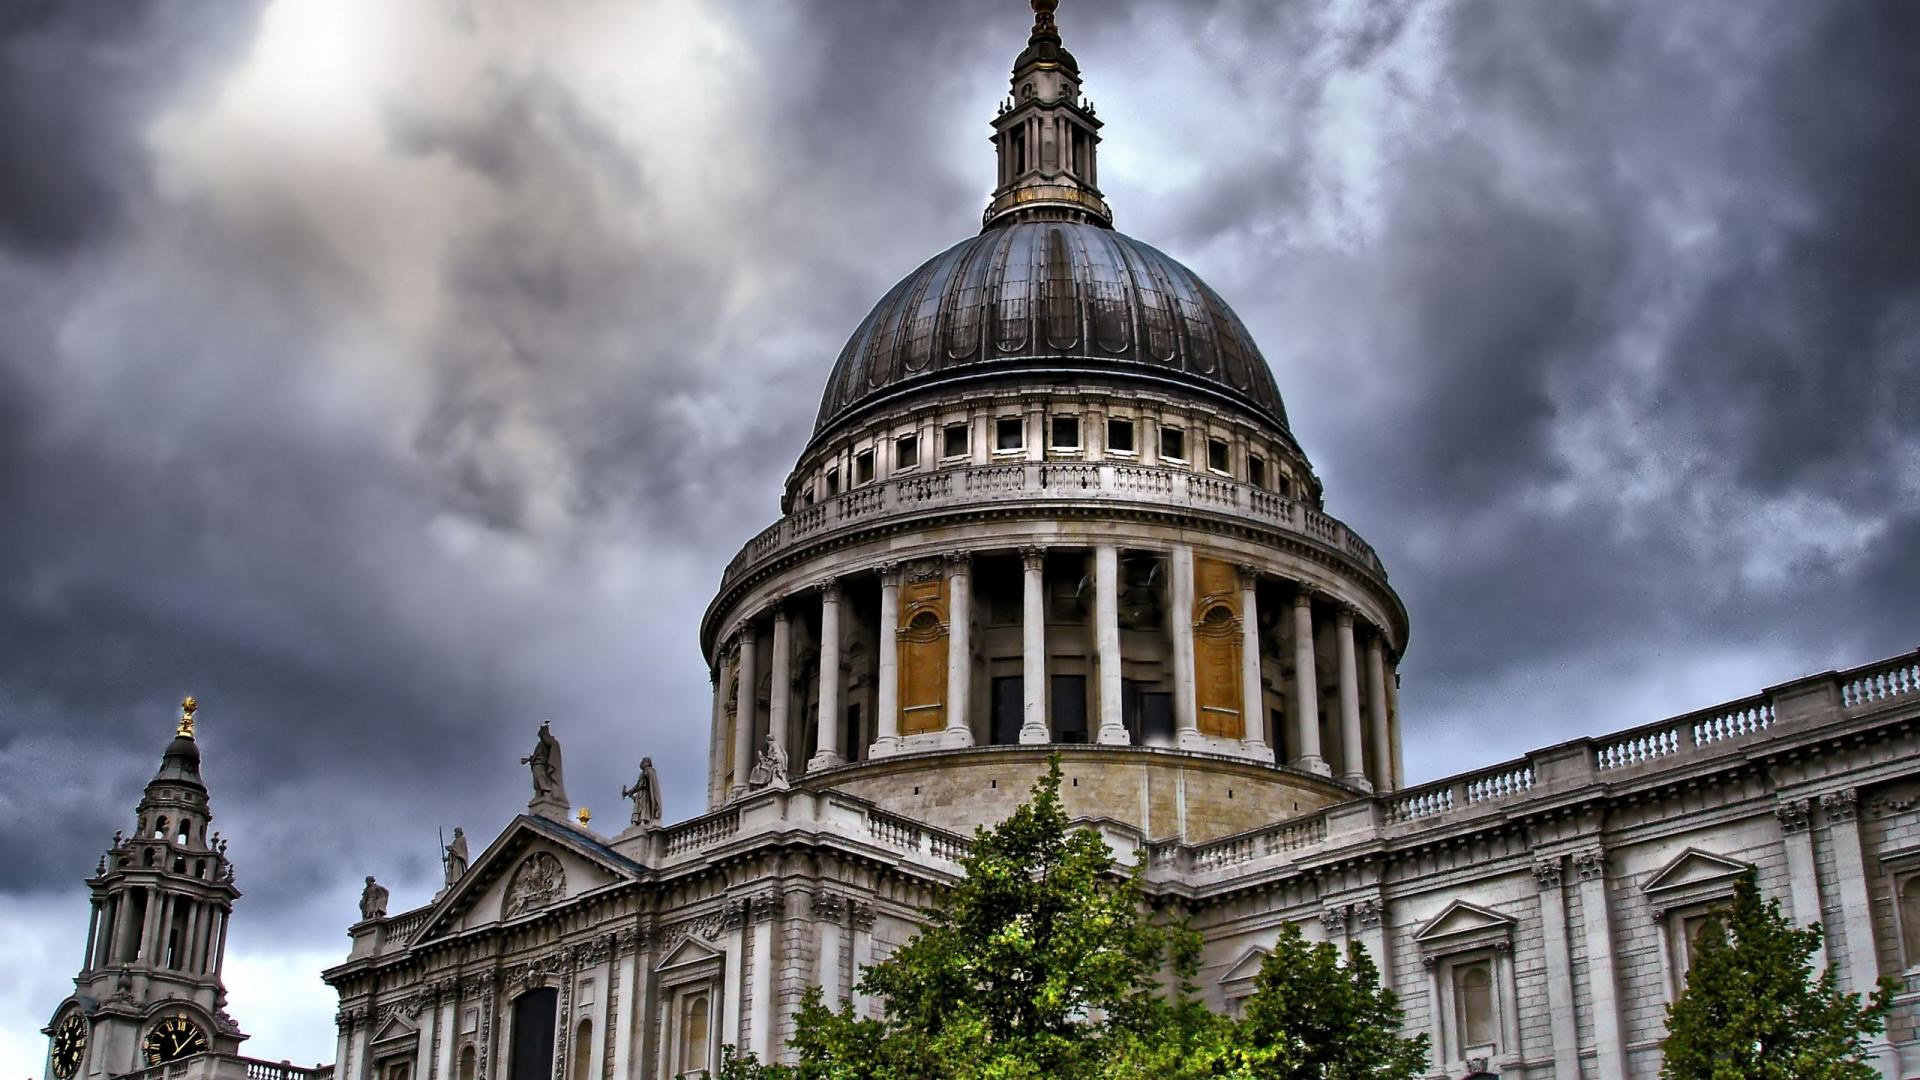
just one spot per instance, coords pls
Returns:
(188, 706)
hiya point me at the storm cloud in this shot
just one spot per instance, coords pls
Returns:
(394, 377)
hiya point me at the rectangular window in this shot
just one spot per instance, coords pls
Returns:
(1173, 444)
(953, 441)
(1217, 456)
(1069, 708)
(1120, 436)
(1009, 701)
(1066, 433)
(1256, 470)
(1009, 433)
(833, 482)
(863, 467)
(906, 451)
(695, 1035)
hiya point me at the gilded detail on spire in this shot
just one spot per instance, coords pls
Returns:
(188, 706)
(1043, 18)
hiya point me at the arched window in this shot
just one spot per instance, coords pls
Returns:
(1910, 918)
(468, 1062)
(186, 830)
(148, 858)
(694, 1041)
(1473, 997)
(160, 828)
(583, 1050)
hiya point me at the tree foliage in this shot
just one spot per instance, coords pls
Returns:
(1043, 961)
(1753, 1010)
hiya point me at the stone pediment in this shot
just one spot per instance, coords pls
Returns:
(396, 1029)
(1692, 870)
(533, 865)
(1245, 968)
(1461, 925)
(688, 952)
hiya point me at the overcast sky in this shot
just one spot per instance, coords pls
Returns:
(394, 376)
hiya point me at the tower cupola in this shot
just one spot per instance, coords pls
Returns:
(1047, 137)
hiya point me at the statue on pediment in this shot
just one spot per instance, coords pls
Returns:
(454, 856)
(645, 793)
(373, 900)
(549, 778)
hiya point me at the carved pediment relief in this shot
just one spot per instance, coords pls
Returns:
(538, 882)
(1693, 870)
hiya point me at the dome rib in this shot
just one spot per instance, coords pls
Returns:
(1055, 298)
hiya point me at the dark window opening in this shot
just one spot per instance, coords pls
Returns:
(1256, 470)
(906, 451)
(1069, 708)
(531, 1056)
(953, 440)
(855, 737)
(1147, 714)
(1120, 436)
(833, 482)
(1009, 433)
(1066, 433)
(863, 467)
(1009, 693)
(1217, 458)
(1173, 443)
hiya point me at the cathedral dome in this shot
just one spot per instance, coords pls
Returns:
(1040, 297)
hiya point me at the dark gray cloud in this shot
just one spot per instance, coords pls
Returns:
(391, 432)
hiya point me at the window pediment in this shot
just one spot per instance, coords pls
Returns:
(1461, 926)
(1692, 876)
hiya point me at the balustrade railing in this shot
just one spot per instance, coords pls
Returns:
(407, 923)
(701, 832)
(1056, 480)
(1875, 683)
(1272, 840)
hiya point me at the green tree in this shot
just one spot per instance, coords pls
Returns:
(1753, 1010)
(1043, 961)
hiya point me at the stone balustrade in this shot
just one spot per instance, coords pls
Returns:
(230, 1067)
(1109, 482)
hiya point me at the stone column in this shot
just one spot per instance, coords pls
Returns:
(1378, 740)
(423, 1057)
(1396, 762)
(959, 730)
(1106, 636)
(1602, 984)
(1559, 961)
(1353, 742)
(1253, 699)
(717, 740)
(1369, 917)
(886, 738)
(733, 978)
(1842, 811)
(632, 993)
(1033, 645)
(1803, 892)
(184, 959)
(764, 910)
(1186, 719)
(1306, 689)
(827, 909)
(743, 710)
(93, 930)
(860, 922)
(343, 1045)
(827, 754)
(780, 679)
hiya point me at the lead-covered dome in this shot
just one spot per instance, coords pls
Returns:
(1033, 298)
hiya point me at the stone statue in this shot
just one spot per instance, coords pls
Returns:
(455, 856)
(549, 779)
(373, 900)
(771, 768)
(645, 794)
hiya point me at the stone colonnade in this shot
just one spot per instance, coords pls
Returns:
(1224, 687)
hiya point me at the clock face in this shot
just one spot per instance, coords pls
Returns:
(172, 1039)
(69, 1045)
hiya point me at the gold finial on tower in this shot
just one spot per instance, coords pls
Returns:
(1043, 17)
(187, 708)
(585, 815)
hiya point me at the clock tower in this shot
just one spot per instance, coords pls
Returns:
(149, 989)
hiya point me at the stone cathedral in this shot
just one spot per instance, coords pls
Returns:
(1052, 503)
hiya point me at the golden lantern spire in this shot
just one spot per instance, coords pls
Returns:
(1043, 18)
(188, 706)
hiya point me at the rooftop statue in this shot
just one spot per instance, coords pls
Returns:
(645, 793)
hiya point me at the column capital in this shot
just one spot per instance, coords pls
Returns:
(1591, 864)
(957, 562)
(829, 589)
(1033, 557)
(1304, 594)
(1343, 616)
(1841, 806)
(889, 574)
(1249, 574)
(1333, 919)
(1547, 872)
(1793, 814)
(777, 603)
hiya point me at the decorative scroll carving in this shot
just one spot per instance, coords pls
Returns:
(538, 882)
(767, 905)
(1368, 913)
(486, 1032)
(1333, 920)
(1792, 814)
(829, 907)
(860, 914)
(1547, 872)
(1591, 864)
(1841, 806)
